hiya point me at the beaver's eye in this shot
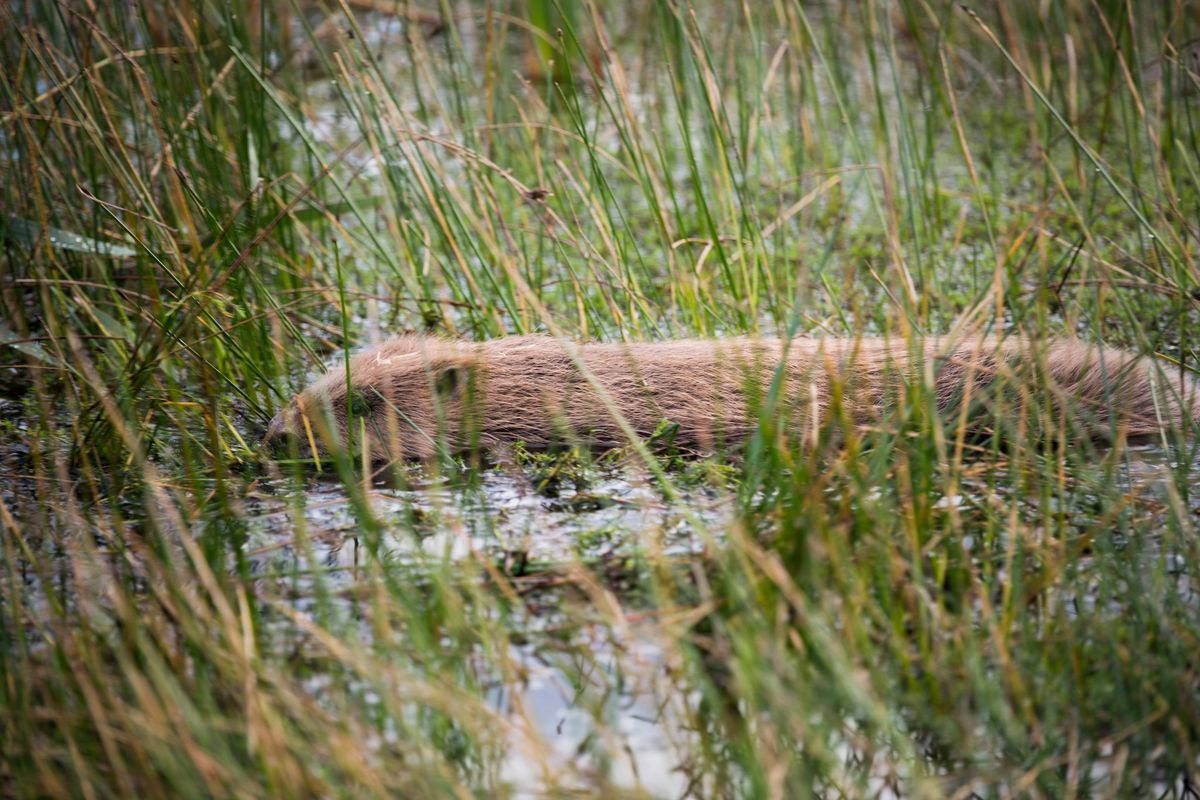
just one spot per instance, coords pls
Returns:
(360, 402)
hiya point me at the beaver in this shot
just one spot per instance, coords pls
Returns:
(411, 395)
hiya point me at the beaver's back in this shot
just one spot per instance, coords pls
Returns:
(415, 391)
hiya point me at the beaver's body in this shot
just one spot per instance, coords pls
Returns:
(411, 393)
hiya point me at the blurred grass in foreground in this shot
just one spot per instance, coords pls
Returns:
(200, 199)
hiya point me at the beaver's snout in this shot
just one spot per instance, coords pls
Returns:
(283, 430)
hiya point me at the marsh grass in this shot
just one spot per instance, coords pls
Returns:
(204, 203)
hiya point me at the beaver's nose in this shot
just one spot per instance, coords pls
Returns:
(281, 431)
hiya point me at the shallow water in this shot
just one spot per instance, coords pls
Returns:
(595, 699)
(502, 512)
(613, 713)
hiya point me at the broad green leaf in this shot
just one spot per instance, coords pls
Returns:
(66, 240)
(32, 349)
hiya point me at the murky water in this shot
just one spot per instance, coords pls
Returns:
(595, 699)
(615, 712)
(503, 512)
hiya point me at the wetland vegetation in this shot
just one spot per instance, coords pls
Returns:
(204, 203)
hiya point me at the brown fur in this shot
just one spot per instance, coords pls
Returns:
(413, 392)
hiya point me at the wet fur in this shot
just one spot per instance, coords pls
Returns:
(413, 392)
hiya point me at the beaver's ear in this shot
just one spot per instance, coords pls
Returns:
(455, 376)
(450, 381)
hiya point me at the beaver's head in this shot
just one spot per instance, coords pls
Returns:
(404, 399)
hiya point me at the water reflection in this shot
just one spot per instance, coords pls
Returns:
(594, 704)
